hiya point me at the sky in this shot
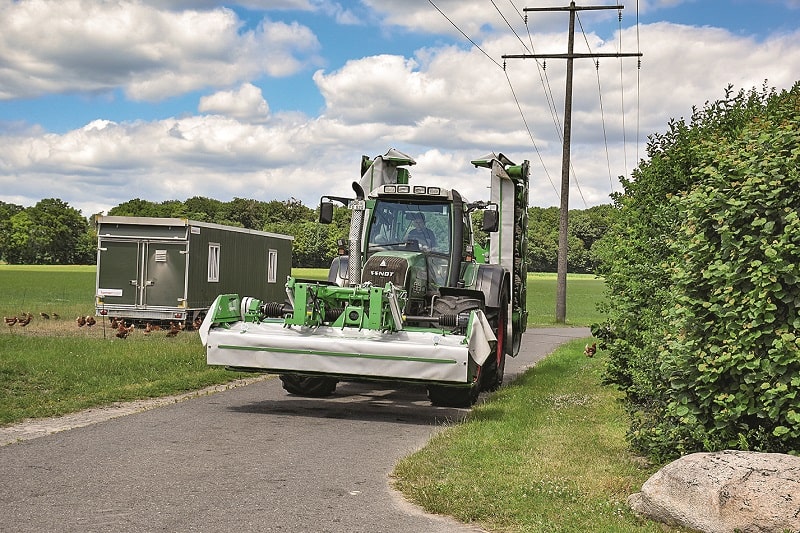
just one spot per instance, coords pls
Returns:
(102, 102)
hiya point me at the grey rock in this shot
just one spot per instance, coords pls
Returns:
(725, 492)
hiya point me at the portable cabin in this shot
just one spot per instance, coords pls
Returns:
(172, 269)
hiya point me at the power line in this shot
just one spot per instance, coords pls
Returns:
(602, 110)
(563, 226)
(622, 101)
(511, 87)
(493, 60)
(544, 80)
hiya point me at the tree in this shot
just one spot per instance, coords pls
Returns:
(202, 209)
(48, 233)
(136, 208)
(245, 213)
(6, 212)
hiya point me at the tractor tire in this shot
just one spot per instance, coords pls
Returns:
(495, 365)
(452, 305)
(310, 386)
(449, 396)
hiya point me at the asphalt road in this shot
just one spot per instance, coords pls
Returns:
(247, 459)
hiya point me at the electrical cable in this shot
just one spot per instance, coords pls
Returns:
(519, 107)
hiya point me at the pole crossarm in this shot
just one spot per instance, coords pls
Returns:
(572, 8)
(570, 56)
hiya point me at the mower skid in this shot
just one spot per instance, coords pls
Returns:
(345, 352)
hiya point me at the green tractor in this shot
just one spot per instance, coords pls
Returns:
(410, 298)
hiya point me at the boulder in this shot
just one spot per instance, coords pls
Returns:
(725, 492)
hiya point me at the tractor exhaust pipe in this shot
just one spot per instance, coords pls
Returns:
(356, 228)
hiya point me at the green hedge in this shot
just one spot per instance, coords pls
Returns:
(704, 328)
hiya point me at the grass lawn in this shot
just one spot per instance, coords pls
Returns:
(544, 454)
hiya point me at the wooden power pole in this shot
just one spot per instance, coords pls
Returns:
(563, 223)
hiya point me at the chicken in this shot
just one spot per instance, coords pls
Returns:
(589, 351)
(45, 316)
(10, 321)
(149, 327)
(25, 320)
(56, 316)
(122, 331)
(90, 321)
(174, 329)
(81, 321)
(197, 322)
(114, 322)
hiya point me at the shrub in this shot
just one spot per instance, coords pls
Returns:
(700, 267)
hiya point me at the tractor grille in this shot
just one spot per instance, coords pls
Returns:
(381, 269)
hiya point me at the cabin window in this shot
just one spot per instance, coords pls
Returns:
(213, 261)
(272, 266)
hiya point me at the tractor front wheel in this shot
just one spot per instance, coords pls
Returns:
(448, 396)
(495, 365)
(312, 386)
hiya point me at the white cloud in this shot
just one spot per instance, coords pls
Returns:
(245, 104)
(444, 106)
(54, 46)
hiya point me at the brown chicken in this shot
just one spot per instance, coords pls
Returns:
(90, 321)
(122, 331)
(149, 327)
(10, 321)
(81, 321)
(174, 329)
(589, 351)
(25, 320)
(45, 316)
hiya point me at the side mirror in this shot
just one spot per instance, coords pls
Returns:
(490, 220)
(326, 212)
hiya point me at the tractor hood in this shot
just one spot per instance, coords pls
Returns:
(404, 269)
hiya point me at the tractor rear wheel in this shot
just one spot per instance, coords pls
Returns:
(312, 386)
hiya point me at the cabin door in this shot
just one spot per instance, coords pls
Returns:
(163, 283)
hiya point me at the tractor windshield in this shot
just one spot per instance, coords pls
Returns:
(410, 226)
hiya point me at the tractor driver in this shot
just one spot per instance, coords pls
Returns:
(421, 233)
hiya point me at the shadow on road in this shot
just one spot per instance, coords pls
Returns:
(401, 403)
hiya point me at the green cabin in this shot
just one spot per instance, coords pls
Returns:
(172, 269)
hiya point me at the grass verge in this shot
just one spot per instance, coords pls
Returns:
(41, 378)
(545, 454)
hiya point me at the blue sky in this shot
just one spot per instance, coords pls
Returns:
(102, 102)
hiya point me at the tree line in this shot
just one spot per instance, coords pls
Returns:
(52, 232)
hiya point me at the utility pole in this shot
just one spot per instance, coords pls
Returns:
(563, 222)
